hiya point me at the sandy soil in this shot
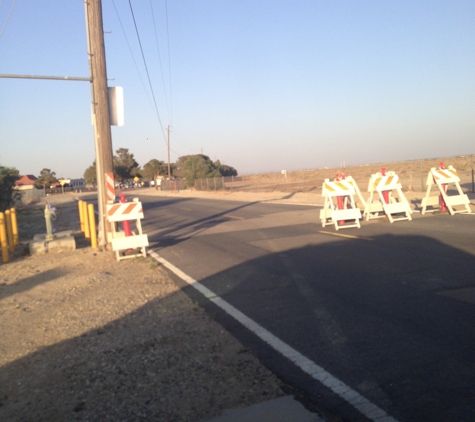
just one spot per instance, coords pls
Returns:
(84, 337)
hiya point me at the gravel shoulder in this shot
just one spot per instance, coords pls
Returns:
(84, 337)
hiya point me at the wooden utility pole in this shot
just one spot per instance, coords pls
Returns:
(100, 108)
(169, 170)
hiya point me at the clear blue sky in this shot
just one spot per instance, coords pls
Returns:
(260, 85)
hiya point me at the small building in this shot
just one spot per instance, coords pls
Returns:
(77, 183)
(26, 182)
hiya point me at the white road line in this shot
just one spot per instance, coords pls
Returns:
(368, 409)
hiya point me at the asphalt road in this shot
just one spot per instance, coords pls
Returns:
(388, 309)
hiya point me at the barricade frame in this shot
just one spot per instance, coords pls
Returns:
(439, 178)
(330, 214)
(121, 243)
(397, 205)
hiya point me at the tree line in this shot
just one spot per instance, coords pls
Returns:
(187, 167)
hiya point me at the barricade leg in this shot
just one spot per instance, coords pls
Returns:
(442, 204)
(340, 199)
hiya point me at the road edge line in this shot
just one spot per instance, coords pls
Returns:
(355, 399)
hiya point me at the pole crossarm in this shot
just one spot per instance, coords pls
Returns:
(56, 78)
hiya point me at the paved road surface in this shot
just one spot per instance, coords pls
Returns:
(389, 309)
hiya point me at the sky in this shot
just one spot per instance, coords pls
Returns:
(260, 85)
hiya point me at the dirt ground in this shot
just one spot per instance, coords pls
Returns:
(84, 337)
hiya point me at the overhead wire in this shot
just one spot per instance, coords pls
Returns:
(8, 17)
(131, 53)
(169, 64)
(159, 58)
(146, 69)
(179, 138)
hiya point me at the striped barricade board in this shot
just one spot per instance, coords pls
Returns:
(347, 217)
(110, 187)
(397, 208)
(443, 179)
(127, 211)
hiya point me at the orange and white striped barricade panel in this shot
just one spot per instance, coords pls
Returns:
(331, 214)
(442, 178)
(398, 207)
(110, 187)
(127, 211)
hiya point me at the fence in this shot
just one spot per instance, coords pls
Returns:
(413, 176)
(172, 185)
(28, 196)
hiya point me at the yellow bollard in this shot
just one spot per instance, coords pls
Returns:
(92, 226)
(81, 216)
(3, 239)
(87, 232)
(16, 239)
(8, 224)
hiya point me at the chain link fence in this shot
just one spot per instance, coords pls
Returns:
(412, 174)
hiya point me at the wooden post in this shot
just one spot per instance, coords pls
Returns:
(100, 107)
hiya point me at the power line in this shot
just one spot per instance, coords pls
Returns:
(169, 63)
(8, 18)
(148, 75)
(131, 53)
(159, 58)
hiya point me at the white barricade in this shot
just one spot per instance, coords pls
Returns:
(127, 211)
(442, 178)
(331, 214)
(396, 208)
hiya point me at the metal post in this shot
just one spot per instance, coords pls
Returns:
(473, 181)
(3, 239)
(422, 180)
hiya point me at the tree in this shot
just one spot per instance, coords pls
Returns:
(46, 178)
(8, 194)
(199, 166)
(125, 166)
(154, 168)
(192, 167)
(225, 170)
(90, 175)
